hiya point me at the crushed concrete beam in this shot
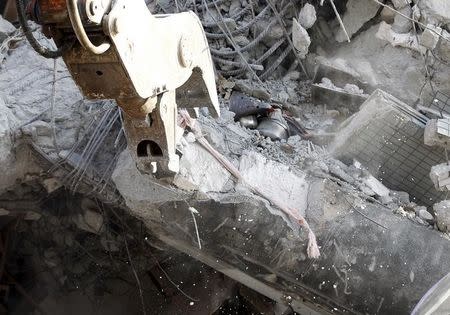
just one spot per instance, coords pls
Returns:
(246, 242)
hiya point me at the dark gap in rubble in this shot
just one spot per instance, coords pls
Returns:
(63, 249)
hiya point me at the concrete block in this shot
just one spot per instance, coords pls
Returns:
(199, 170)
(142, 191)
(442, 212)
(428, 38)
(300, 38)
(307, 16)
(276, 180)
(437, 133)
(440, 176)
(357, 14)
(89, 221)
(385, 32)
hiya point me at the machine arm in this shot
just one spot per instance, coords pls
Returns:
(150, 64)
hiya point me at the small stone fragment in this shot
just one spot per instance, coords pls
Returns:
(300, 38)
(400, 197)
(430, 38)
(442, 211)
(90, 221)
(426, 216)
(307, 16)
(440, 176)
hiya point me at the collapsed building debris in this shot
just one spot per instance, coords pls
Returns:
(368, 185)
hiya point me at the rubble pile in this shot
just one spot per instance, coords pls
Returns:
(334, 109)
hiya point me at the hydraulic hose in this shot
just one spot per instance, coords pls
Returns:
(78, 28)
(41, 50)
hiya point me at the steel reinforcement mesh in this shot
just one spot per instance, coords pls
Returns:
(391, 147)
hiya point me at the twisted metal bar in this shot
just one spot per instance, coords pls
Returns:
(275, 65)
(241, 29)
(238, 64)
(236, 16)
(270, 51)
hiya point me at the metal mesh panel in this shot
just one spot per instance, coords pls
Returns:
(390, 144)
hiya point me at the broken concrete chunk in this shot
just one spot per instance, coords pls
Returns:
(275, 180)
(399, 4)
(386, 33)
(339, 170)
(440, 176)
(141, 191)
(235, 7)
(37, 128)
(89, 221)
(357, 14)
(401, 24)
(300, 38)
(307, 16)
(353, 89)
(428, 38)
(251, 89)
(6, 28)
(199, 168)
(242, 40)
(426, 216)
(444, 46)
(51, 184)
(387, 14)
(374, 184)
(437, 132)
(442, 212)
(10, 167)
(348, 88)
(435, 11)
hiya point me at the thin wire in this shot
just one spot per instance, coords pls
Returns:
(135, 275)
(52, 106)
(168, 277)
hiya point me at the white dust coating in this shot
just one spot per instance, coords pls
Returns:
(276, 180)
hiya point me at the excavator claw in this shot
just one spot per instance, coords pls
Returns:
(150, 64)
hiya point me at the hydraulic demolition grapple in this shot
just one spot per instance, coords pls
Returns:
(116, 49)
